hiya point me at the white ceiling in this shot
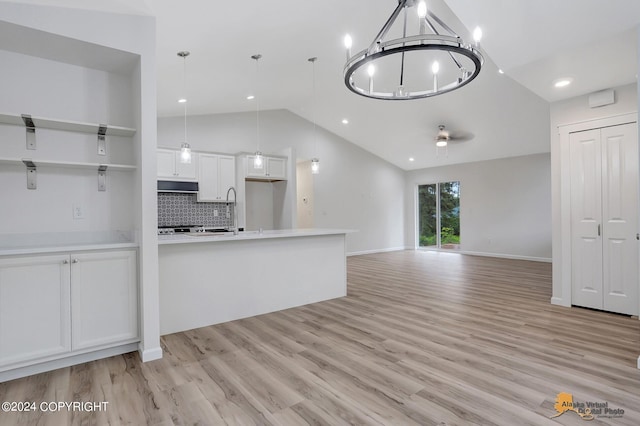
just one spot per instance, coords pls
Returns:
(535, 42)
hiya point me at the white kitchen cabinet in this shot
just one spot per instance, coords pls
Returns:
(171, 168)
(216, 174)
(53, 306)
(104, 298)
(274, 168)
(34, 308)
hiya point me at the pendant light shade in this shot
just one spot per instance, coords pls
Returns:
(185, 148)
(315, 162)
(258, 161)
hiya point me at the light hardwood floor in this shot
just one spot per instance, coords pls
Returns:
(423, 338)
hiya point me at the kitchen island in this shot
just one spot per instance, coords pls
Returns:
(207, 279)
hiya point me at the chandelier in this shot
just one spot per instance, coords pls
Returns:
(433, 61)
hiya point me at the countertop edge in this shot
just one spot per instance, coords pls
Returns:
(65, 248)
(249, 236)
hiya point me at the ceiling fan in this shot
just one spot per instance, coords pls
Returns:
(445, 136)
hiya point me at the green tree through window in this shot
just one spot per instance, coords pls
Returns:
(439, 215)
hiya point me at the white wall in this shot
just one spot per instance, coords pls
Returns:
(571, 111)
(505, 205)
(354, 190)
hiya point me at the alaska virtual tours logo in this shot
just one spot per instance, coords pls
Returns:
(587, 410)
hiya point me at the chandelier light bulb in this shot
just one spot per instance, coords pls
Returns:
(422, 10)
(477, 35)
(435, 67)
(348, 42)
(371, 70)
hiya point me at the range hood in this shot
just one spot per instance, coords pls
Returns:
(177, 186)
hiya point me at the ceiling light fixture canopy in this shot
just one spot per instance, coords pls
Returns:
(450, 59)
(185, 148)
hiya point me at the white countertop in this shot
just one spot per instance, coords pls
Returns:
(56, 242)
(247, 235)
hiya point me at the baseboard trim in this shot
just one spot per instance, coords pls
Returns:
(152, 354)
(558, 301)
(503, 256)
(30, 370)
(358, 253)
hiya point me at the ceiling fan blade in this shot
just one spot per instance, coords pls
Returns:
(460, 136)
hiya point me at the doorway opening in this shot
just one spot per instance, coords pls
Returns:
(439, 215)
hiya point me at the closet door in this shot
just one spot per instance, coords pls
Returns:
(586, 219)
(620, 214)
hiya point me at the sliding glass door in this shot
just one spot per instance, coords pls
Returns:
(439, 215)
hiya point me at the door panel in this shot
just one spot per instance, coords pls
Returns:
(586, 217)
(620, 214)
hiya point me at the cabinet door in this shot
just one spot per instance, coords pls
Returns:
(104, 298)
(166, 163)
(208, 178)
(227, 175)
(251, 171)
(34, 308)
(276, 168)
(186, 171)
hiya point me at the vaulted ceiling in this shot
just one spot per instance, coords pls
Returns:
(591, 41)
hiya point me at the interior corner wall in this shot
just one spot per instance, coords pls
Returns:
(505, 205)
(570, 111)
(354, 190)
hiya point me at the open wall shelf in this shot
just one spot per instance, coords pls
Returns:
(67, 164)
(66, 125)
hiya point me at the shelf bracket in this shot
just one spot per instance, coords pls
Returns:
(31, 174)
(102, 177)
(102, 143)
(31, 131)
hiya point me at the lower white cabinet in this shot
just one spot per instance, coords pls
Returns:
(104, 298)
(35, 315)
(52, 306)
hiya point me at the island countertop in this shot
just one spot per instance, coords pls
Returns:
(189, 238)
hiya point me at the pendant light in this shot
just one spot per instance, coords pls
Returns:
(185, 149)
(315, 162)
(258, 161)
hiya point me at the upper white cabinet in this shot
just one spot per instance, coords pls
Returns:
(273, 168)
(171, 168)
(217, 173)
(34, 308)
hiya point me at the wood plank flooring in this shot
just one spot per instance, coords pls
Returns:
(423, 338)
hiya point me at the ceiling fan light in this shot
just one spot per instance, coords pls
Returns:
(441, 143)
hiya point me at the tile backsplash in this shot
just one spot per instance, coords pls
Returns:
(175, 209)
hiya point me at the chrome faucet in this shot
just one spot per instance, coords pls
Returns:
(235, 210)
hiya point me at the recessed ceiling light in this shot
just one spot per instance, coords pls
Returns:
(345, 121)
(182, 100)
(562, 82)
(411, 159)
(500, 71)
(250, 97)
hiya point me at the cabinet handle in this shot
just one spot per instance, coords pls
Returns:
(65, 262)
(75, 261)
(598, 230)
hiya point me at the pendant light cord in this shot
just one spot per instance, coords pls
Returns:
(257, 58)
(315, 108)
(184, 93)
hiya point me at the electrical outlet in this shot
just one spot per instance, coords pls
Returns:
(78, 211)
(215, 212)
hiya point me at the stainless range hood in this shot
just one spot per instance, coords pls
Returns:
(177, 186)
